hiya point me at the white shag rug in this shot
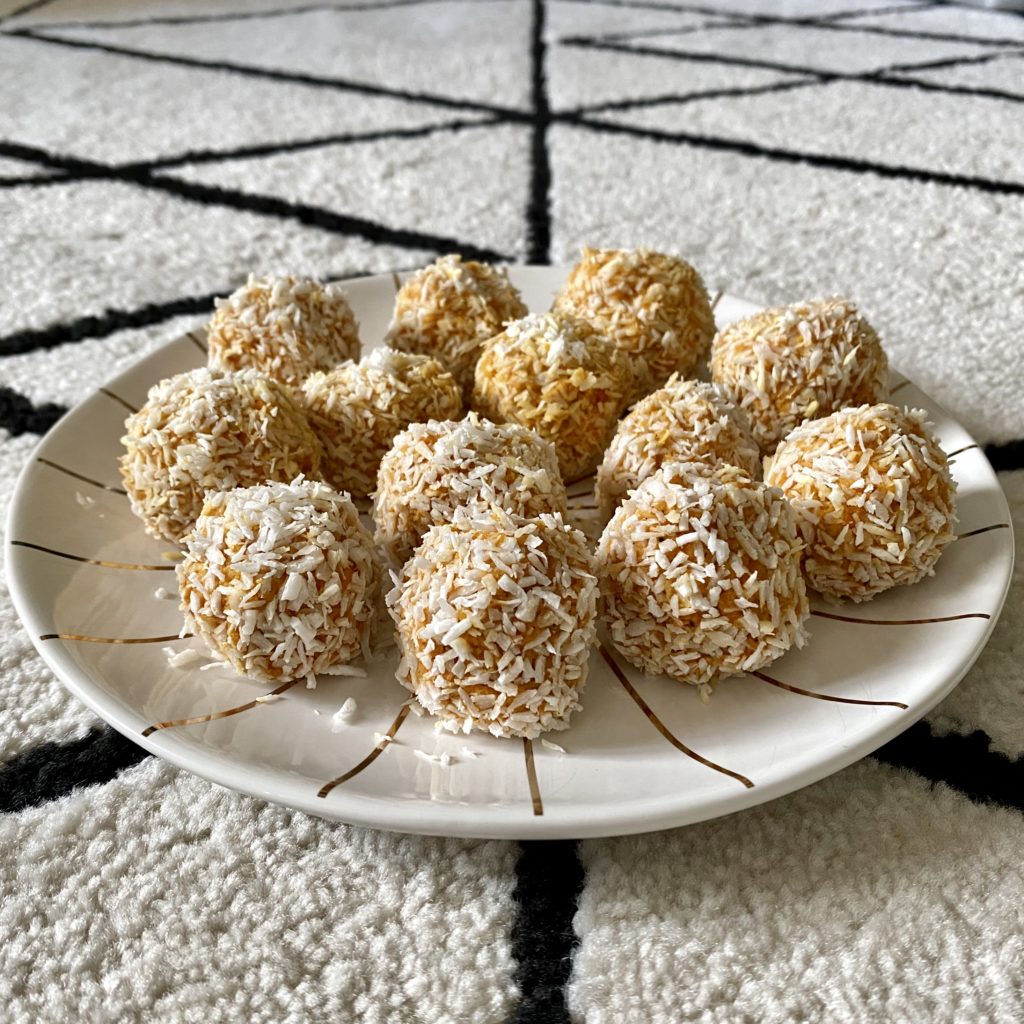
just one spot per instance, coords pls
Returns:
(151, 155)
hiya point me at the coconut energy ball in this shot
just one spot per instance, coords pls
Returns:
(280, 580)
(209, 431)
(449, 309)
(559, 377)
(285, 327)
(653, 306)
(873, 496)
(784, 366)
(435, 467)
(359, 408)
(700, 576)
(685, 421)
(496, 615)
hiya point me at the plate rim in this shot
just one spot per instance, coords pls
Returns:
(412, 816)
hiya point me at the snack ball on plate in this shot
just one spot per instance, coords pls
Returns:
(435, 467)
(449, 309)
(873, 496)
(280, 580)
(783, 366)
(359, 408)
(700, 575)
(685, 421)
(496, 615)
(208, 431)
(556, 375)
(285, 327)
(653, 306)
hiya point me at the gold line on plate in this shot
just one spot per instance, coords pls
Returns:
(371, 756)
(586, 478)
(960, 451)
(227, 713)
(825, 696)
(982, 529)
(118, 398)
(899, 387)
(899, 622)
(660, 726)
(79, 476)
(531, 778)
(114, 640)
(91, 561)
(397, 280)
(194, 338)
(717, 299)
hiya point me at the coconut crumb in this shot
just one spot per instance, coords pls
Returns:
(553, 746)
(344, 715)
(181, 659)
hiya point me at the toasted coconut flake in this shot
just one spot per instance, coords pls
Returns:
(654, 307)
(206, 430)
(559, 377)
(434, 467)
(496, 615)
(685, 421)
(280, 579)
(701, 578)
(359, 408)
(785, 365)
(873, 497)
(285, 327)
(449, 309)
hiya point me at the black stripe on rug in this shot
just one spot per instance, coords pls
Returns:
(538, 212)
(1006, 456)
(549, 879)
(101, 326)
(53, 770)
(19, 416)
(964, 763)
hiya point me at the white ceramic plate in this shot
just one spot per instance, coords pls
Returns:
(644, 753)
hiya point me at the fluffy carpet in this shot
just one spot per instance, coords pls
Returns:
(151, 155)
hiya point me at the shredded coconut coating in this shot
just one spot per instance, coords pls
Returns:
(280, 580)
(701, 578)
(359, 408)
(784, 366)
(873, 496)
(496, 615)
(685, 421)
(559, 377)
(435, 467)
(207, 430)
(285, 327)
(449, 309)
(653, 306)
